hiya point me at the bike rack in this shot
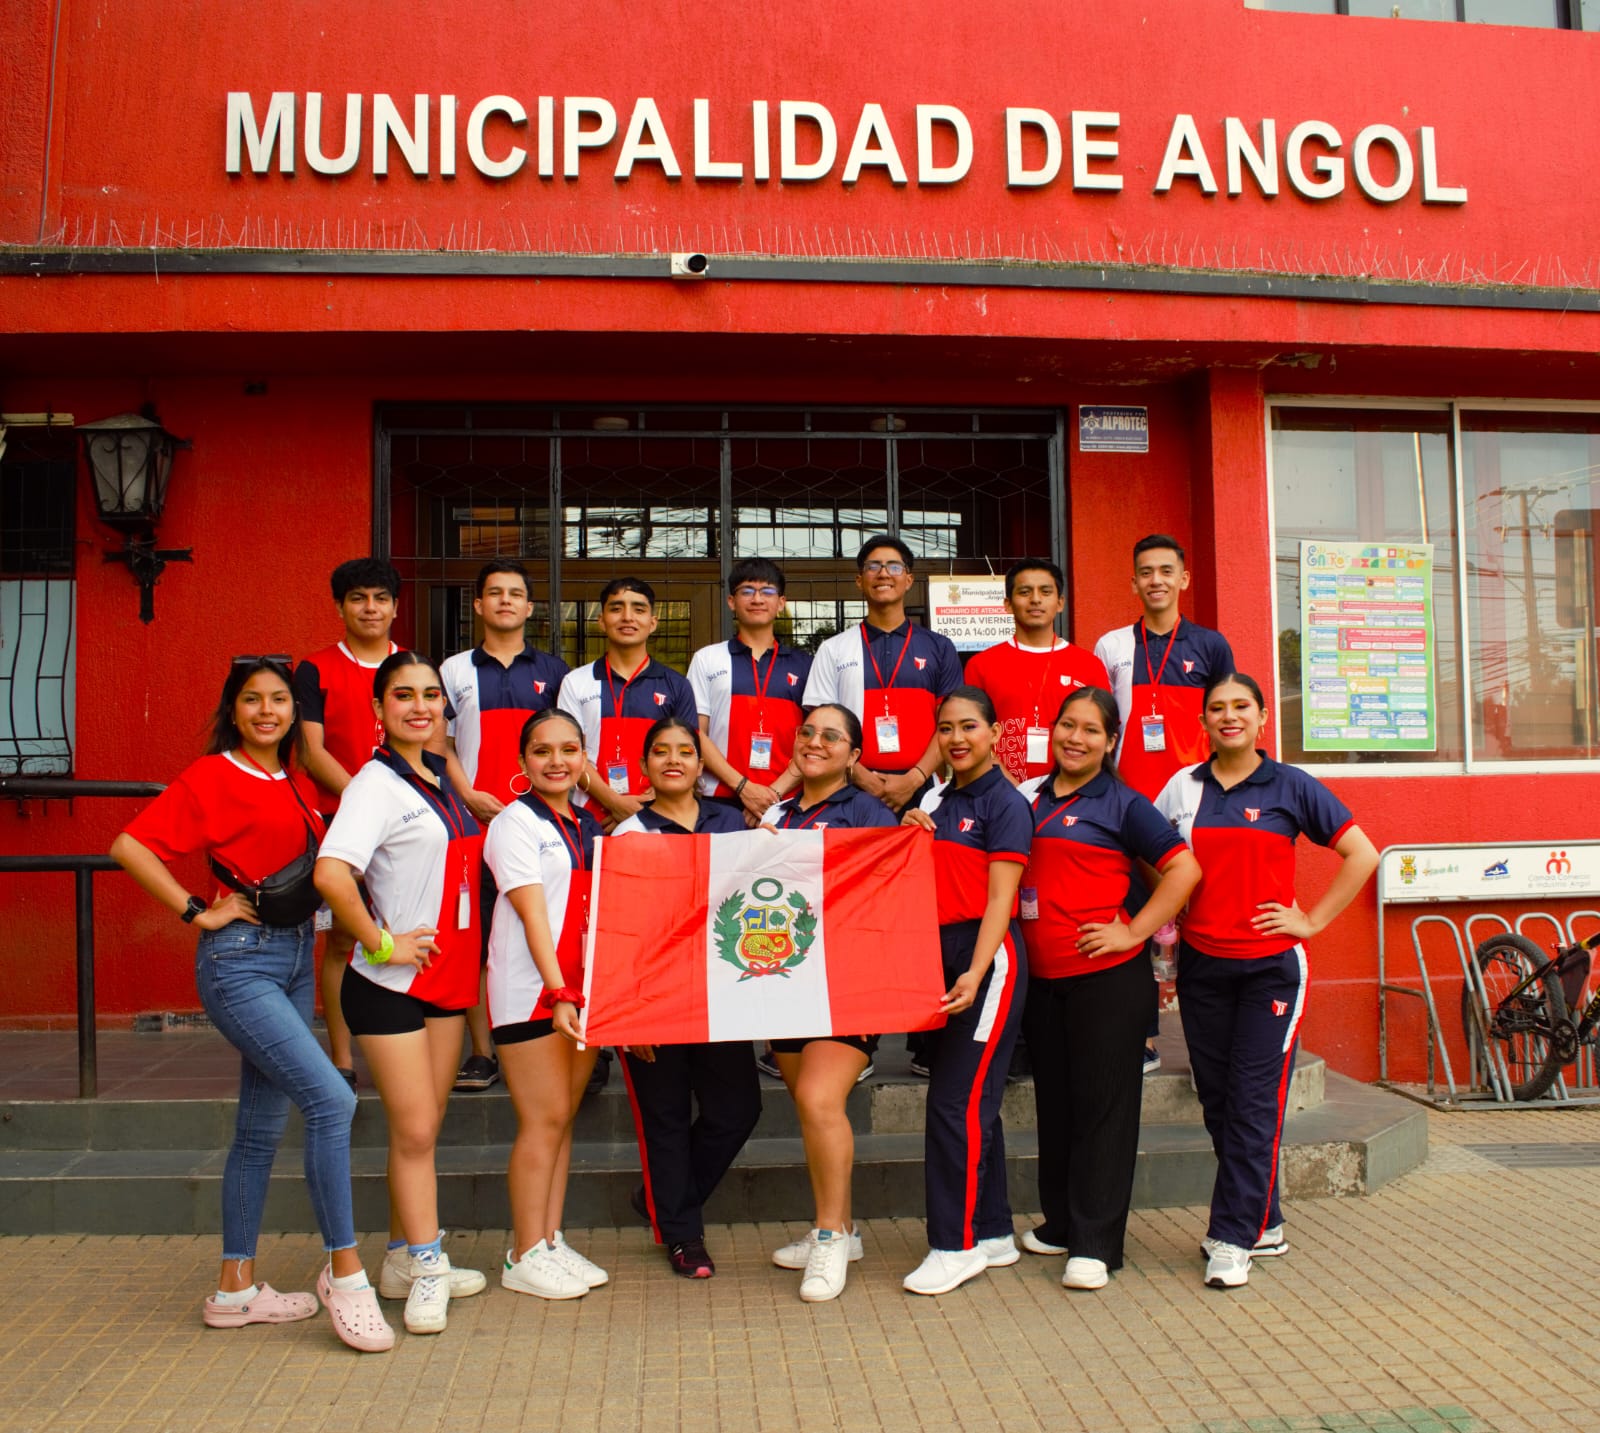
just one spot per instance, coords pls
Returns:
(1488, 1078)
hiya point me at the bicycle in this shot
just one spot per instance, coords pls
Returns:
(1531, 999)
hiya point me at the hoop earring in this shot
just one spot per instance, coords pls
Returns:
(512, 783)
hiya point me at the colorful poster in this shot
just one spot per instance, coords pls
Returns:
(1512, 871)
(1367, 647)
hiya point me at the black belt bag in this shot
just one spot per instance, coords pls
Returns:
(288, 897)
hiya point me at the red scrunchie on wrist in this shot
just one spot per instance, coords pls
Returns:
(567, 993)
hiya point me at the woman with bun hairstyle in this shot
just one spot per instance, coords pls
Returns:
(414, 970)
(1242, 967)
(1089, 980)
(540, 849)
(821, 1072)
(694, 1106)
(982, 833)
(244, 807)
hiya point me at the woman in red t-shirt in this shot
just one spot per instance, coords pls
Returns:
(243, 807)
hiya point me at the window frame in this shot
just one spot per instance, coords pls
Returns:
(1471, 764)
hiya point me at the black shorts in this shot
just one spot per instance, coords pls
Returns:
(488, 893)
(373, 1009)
(521, 1031)
(867, 1044)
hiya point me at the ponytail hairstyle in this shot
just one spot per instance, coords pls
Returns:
(1250, 684)
(670, 723)
(1110, 718)
(978, 697)
(383, 678)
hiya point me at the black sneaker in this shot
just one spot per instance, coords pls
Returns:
(599, 1076)
(867, 1073)
(767, 1063)
(477, 1072)
(920, 1066)
(637, 1202)
(690, 1260)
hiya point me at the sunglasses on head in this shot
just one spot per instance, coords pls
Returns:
(278, 659)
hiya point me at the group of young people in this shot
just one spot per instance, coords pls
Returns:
(447, 816)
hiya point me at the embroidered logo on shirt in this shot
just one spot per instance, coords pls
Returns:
(1252, 813)
(661, 701)
(1280, 1007)
(412, 815)
(1188, 667)
(921, 662)
(794, 681)
(539, 687)
(1069, 820)
(967, 823)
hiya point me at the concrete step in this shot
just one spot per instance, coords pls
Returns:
(1356, 1139)
(890, 1102)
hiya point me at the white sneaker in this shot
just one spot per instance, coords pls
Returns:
(1228, 1267)
(1035, 1245)
(544, 1273)
(1271, 1243)
(586, 1269)
(796, 1255)
(1001, 1251)
(1085, 1274)
(826, 1266)
(945, 1269)
(428, 1303)
(394, 1281)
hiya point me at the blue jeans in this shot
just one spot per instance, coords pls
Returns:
(256, 983)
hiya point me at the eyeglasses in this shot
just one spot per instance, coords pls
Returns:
(894, 569)
(826, 735)
(748, 592)
(278, 659)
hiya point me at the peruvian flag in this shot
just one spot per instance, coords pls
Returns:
(761, 935)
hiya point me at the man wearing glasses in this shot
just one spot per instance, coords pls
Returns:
(891, 673)
(748, 692)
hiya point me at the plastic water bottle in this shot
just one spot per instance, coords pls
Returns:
(1164, 959)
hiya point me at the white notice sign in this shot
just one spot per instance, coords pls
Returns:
(1491, 873)
(970, 611)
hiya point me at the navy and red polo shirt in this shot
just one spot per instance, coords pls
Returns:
(420, 851)
(1244, 839)
(744, 696)
(616, 711)
(715, 817)
(486, 704)
(1164, 675)
(986, 820)
(1084, 847)
(896, 677)
(848, 808)
(334, 689)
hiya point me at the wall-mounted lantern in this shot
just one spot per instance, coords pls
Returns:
(130, 460)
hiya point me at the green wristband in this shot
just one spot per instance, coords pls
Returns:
(381, 955)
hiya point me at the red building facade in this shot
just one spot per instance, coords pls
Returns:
(405, 279)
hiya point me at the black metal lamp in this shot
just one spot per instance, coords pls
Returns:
(130, 459)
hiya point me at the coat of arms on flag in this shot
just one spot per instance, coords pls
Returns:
(755, 935)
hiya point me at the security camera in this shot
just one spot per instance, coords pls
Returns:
(689, 266)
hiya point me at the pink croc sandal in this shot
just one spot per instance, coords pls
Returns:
(357, 1318)
(268, 1307)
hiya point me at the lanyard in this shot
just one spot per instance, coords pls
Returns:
(886, 686)
(617, 698)
(574, 848)
(793, 811)
(1039, 829)
(761, 691)
(1049, 671)
(443, 802)
(1172, 641)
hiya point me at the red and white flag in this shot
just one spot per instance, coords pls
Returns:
(758, 935)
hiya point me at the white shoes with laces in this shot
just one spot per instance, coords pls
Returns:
(1228, 1266)
(945, 1269)
(428, 1301)
(795, 1255)
(542, 1272)
(586, 1269)
(827, 1265)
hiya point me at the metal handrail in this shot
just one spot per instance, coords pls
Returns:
(83, 868)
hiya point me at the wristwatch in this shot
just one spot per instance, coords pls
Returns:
(190, 911)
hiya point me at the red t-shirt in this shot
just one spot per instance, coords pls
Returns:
(1027, 686)
(334, 689)
(224, 807)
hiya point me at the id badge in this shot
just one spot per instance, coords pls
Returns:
(888, 730)
(760, 752)
(1155, 732)
(463, 906)
(1038, 745)
(617, 777)
(1028, 903)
